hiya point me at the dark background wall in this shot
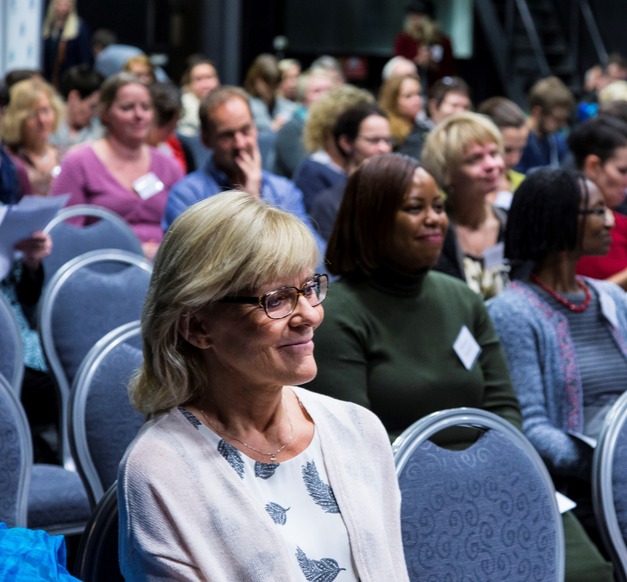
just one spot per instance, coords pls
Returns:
(343, 28)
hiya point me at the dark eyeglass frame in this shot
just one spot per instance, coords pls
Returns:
(318, 280)
(600, 212)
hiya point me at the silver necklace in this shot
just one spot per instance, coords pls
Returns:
(273, 455)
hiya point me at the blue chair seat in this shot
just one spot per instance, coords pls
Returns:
(70, 510)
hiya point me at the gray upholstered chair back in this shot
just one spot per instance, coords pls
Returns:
(484, 513)
(87, 298)
(102, 420)
(104, 230)
(97, 556)
(16, 458)
(609, 485)
(36, 496)
(12, 348)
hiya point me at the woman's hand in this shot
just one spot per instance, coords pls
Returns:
(35, 249)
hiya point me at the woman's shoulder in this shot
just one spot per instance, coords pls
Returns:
(164, 165)
(160, 438)
(341, 413)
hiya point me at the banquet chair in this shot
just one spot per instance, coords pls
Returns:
(102, 421)
(36, 496)
(609, 485)
(69, 240)
(87, 298)
(487, 512)
(97, 555)
(12, 352)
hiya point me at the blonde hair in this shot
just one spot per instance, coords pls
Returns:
(71, 26)
(228, 244)
(615, 91)
(23, 97)
(400, 127)
(324, 113)
(142, 60)
(447, 143)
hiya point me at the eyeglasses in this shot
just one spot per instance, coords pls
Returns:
(281, 302)
(600, 212)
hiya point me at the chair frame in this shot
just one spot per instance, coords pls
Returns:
(26, 445)
(602, 486)
(88, 210)
(103, 519)
(47, 340)
(424, 428)
(91, 211)
(18, 373)
(78, 403)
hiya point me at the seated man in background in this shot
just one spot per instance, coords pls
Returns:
(228, 129)
(550, 105)
(80, 88)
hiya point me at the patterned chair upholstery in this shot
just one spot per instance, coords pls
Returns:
(105, 230)
(487, 512)
(102, 420)
(97, 556)
(87, 298)
(609, 485)
(35, 496)
(12, 352)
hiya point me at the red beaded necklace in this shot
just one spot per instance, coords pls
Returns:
(573, 307)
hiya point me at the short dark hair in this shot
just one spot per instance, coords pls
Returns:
(214, 99)
(503, 112)
(442, 87)
(600, 136)
(543, 218)
(193, 61)
(363, 229)
(349, 121)
(82, 78)
(166, 102)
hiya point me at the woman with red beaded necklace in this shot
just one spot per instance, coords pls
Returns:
(564, 336)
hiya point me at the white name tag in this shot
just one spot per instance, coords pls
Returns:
(466, 348)
(494, 256)
(608, 308)
(148, 185)
(564, 503)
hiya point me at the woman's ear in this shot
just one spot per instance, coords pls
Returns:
(194, 327)
(592, 166)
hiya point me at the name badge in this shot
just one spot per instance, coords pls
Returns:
(608, 308)
(494, 256)
(466, 348)
(148, 185)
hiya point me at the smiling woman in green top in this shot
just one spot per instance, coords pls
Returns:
(399, 338)
(403, 340)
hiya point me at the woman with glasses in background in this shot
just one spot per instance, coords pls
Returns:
(599, 148)
(256, 479)
(565, 337)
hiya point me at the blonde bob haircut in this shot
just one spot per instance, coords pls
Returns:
(448, 142)
(23, 97)
(229, 244)
(323, 114)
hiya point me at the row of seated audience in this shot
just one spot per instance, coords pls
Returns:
(395, 330)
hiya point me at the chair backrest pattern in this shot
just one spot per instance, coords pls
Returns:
(483, 513)
(609, 484)
(69, 240)
(83, 303)
(102, 420)
(12, 352)
(15, 458)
